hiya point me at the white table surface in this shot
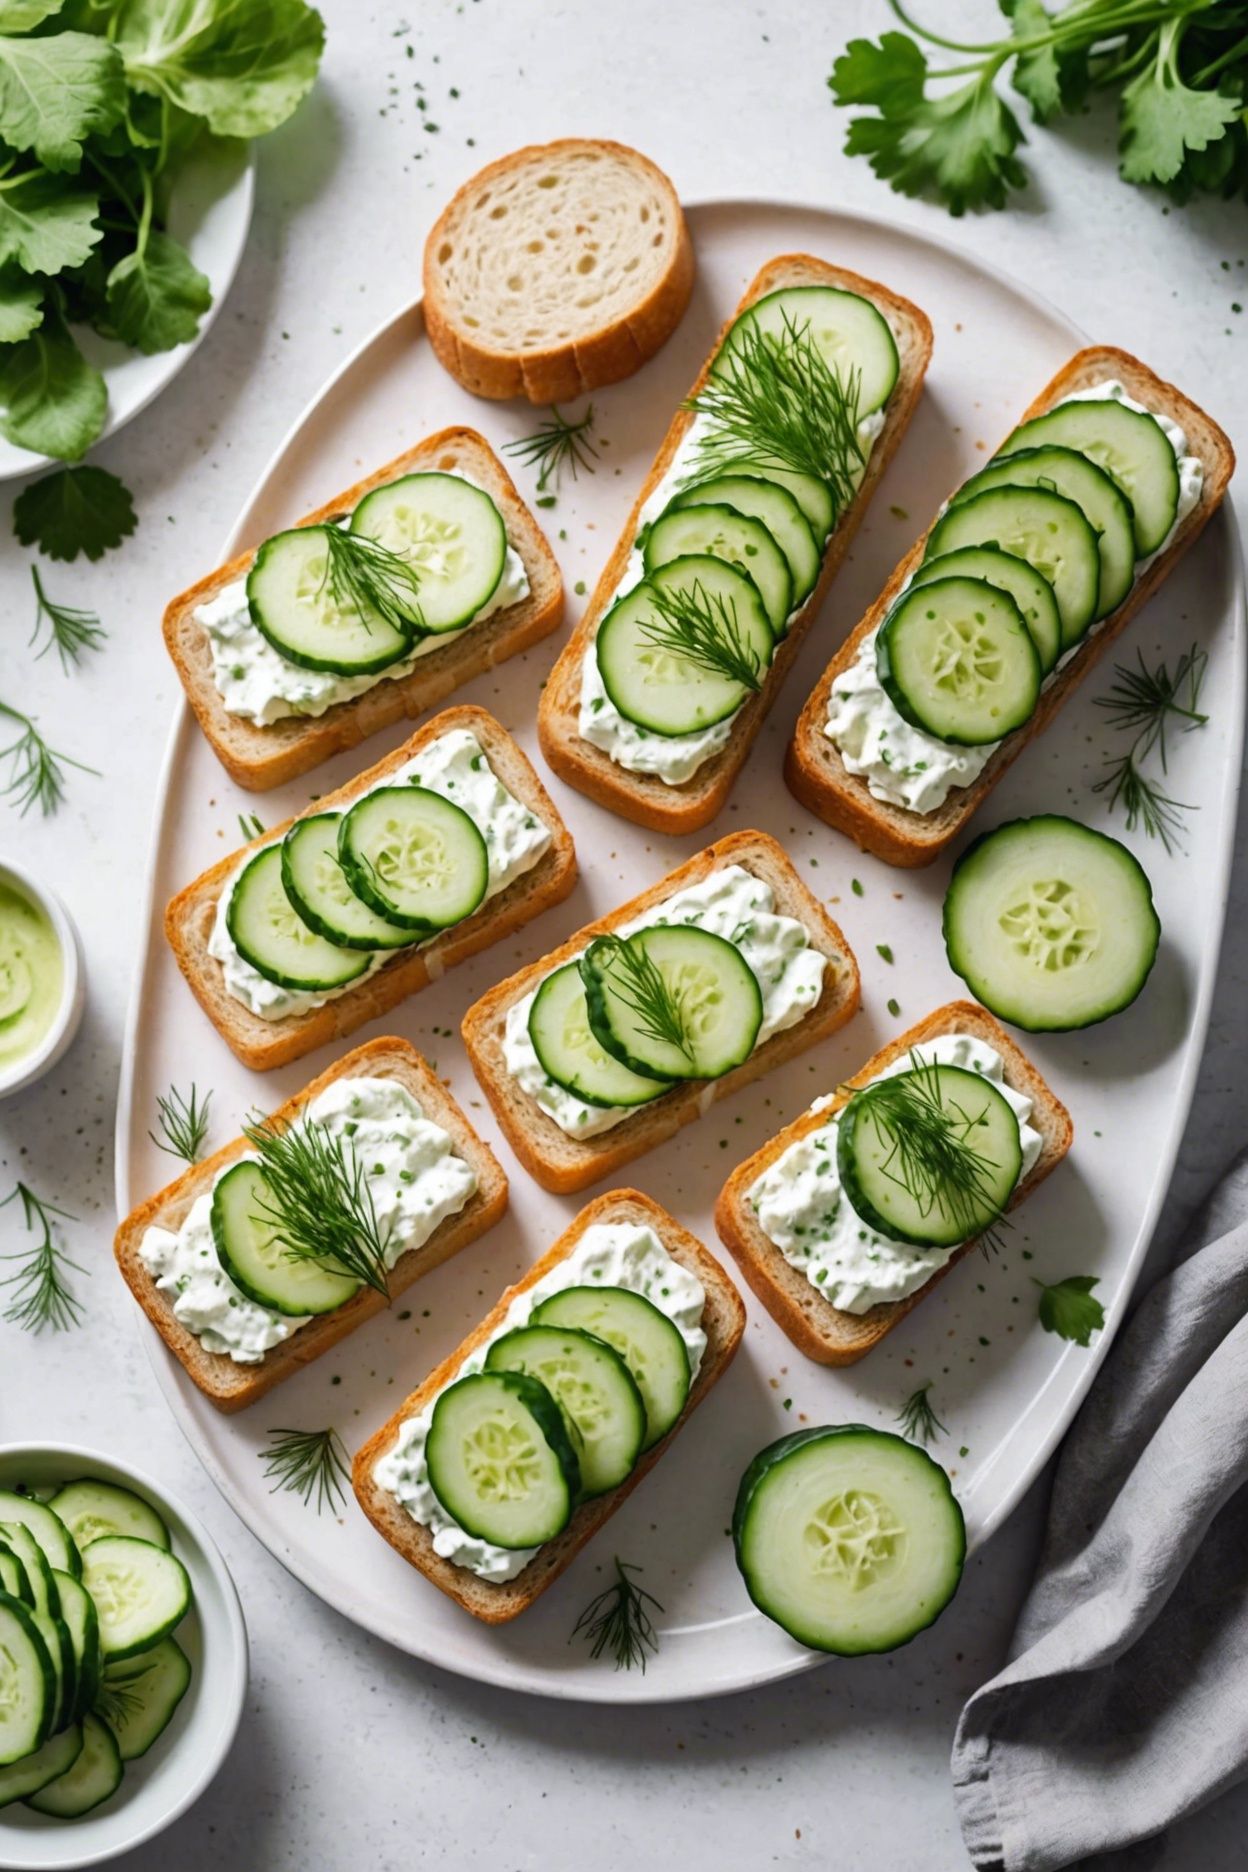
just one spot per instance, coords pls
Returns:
(351, 1755)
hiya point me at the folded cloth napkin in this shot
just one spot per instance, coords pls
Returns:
(1125, 1703)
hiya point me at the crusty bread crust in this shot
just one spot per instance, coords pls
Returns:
(823, 1332)
(560, 370)
(566, 1164)
(260, 758)
(232, 1387)
(723, 1321)
(265, 1044)
(814, 770)
(644, 798)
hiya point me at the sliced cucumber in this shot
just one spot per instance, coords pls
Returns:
(571, 1056)
(291, 599)
(1032, 594)
(253, 1254)
(673, 1000)
(451, 532)
(95, 1774)
(52, 1758)
(138, 1698)
(656, 685)
(772, 504)
(1046, 530)
(596, 1393)
(13, 1577)
(956, 659)
(723, 533)
(18, 1538)
(1050, 924)
(415, 858)
(813, 496)
(55, 1634)
(851, 334)
(871, 1142)
(316, 884)
(89, 1509)
(83, 1626)
(28, 1682)
(140, 1591)
(1130, 445)
(500, 1461)
(45, 1525)
(1101, 500)
(849, 1538)
(269, 933)
(646, 1339)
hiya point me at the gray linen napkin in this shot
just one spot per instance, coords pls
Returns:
(1125, 1704)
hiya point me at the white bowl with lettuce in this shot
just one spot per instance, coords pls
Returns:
(126, 193)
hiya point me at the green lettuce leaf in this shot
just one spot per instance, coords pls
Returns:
(156, 296)
(57, 91)
(75, 510)
(47, 224)
(51, 399)
(21, 305)
(243, 65)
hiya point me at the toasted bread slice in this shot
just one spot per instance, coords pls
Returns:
(814, 770)
(265, 1044)
(823, 1332)
(557, 269)
(260, 758)
(566, 1164)
(232, 1387)
(723, 1321)
(644, 798)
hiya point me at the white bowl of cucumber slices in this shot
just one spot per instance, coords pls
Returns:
(123, 1658)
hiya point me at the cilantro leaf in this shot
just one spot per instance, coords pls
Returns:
(21, 305)
(1068, 1308)
(960, 145)
(74, 510)
(243, 65)
(156, 296)
(56, 91)
(1161, 119)
(47, 224)
(1051, 77)
(51, 399)
(890, 75)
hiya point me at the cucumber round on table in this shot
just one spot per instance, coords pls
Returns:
(645, 1338)
(500, 1460)
(254, 1256)
(956, 660)
(1132, 448)
(679, 671)
(849, 1538)
(1050, 924)
(269, 933)
(415, 858)
(569, 1053)
(1046, 530)
(140, 1591)
(29, 1703)
(295, 606)
(937, 1116)
(672, 1000)
(812, 495)
(768, 501)
(849, 332)
(1098, 498)
(52, 1758)
(736, 538)
(138, 1697)
(450, 532)
(95, 1774)
(46, 1527)
(315, 883)
(601, 1405)
(1032, 594)
(89, 1509)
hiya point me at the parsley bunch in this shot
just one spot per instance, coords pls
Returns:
(101, 101)
(1179, 69)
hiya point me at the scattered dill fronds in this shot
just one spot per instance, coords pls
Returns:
(183, 1123)
(70, 632)
(36, 770)
(1145, 703)
(618, 1620)
(250, 825)
(41, 1294)
(558, 443)
(310, 1463)
(917, 1418)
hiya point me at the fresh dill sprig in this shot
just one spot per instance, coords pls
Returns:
(183, 1123)
(558, 443)
(36, 770)
(702, 628)
(641, 985)
(929, 1151)
(917, 1418)
(118, 1699)
(319, 1200)
(773, 399)
(250, 825)
(70, 632)
(309, 1463)
(1144, 801)
(618, 1620)
(41, 1295)
(1144, 703)
(370, 580)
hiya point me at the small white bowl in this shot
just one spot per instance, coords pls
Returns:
(56, 1041)
(162, 1784)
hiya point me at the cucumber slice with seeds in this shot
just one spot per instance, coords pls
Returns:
(292, 605)
(138, 1698)
(451, 532)
(737, 539)
(140, 1591)
(1032, 594)
(500, 1461)
(28, 1682)
(1102, 502)
(95, 1775)
(254, 1256)
(316, 884)
(89, 1509)
(569, 1053)
(415, 858)
(851, 334)
(645, 1338)
(656, 687)
(269, 933)
(596, 1393)
(767, 501)
(1132, 448)
(52, 1758)
(632, 987)
(1046, 530)
(956, 659)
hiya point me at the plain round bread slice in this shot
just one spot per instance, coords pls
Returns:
(556, 270)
